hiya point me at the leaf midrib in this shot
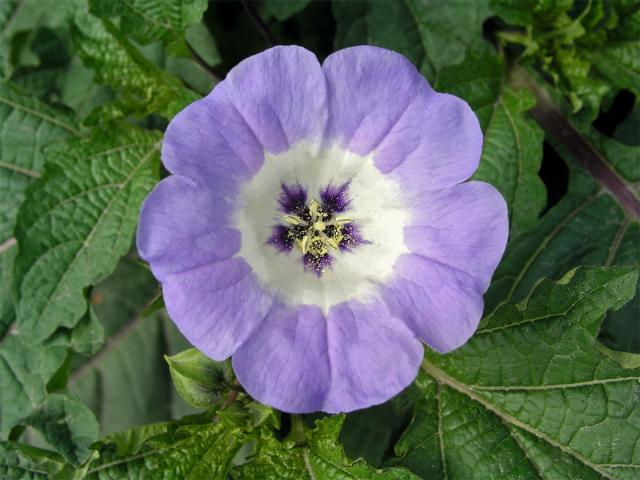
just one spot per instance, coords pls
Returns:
(442, 378)
(85, 243)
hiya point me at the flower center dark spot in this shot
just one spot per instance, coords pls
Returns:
(317, 228)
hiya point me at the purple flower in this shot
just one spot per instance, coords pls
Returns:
(316, 228)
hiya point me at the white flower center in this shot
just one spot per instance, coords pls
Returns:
(376, 206)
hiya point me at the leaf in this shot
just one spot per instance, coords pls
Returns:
(321, 458)
(200, 381)
(26, 127)
(512, 152)
(590, 225)
(24, 462)
(24, 374)
(67, 424)
(143, 87)
(528, 395)
(8, 252)
(377, 23)
(190, 452)
(127, 382)
(150, 20)
(449, 30)
(283, 9)
(77, 221)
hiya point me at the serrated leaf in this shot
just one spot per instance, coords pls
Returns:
(191, 452)
(529, 393)
(27, 126)
(321, 458)
(431, 34)
(66, 424)
(25, 372)
(512, 151)
(24, 462)
(77, 221)
(200, 381)
(150, 20)
(143, 87)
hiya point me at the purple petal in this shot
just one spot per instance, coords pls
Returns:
(267, 102)
(285, 362)
(184, 225)
(441, 305)
(374, 356)
(299, 361)
(465, 227)
(216, 306)
(380, 103)
(456, 244)
(281, 95)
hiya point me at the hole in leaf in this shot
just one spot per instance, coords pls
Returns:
(555, 175)
(609, 119)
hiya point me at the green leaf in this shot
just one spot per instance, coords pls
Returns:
(320, 458)
(512, 152)
(380, 24)
(26, 127)
(24, 462)
(8, 251)
(200, 381)
(283, 9)
(143, 87)
(190, 452)
(449, 30)
(24, 374)
(529, 393)
(127, 382)
(77, 221)
(66, 424)
(150, 20)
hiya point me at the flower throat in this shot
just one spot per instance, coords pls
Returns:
(315, 229)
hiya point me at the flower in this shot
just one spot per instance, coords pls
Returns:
(316, 228)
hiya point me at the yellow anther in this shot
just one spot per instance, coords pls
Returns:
(293, 219)
(342, 220)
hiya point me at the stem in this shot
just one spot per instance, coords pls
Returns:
(297, 431)
(257, 21)
(202, 64)
(558, 126)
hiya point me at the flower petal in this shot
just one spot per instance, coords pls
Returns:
(268, 102)
(216, 306)
(184, 225)
(457, 242)
(441, 305)
(374, 356)
(465, 227)
(301, 361)
(285, 361)
(379, 103)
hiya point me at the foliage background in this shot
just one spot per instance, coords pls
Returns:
(548, 388)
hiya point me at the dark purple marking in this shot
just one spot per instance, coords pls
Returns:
(352, 237)
(316, 264)
(293, 199)
(280, 238)
(335, 198)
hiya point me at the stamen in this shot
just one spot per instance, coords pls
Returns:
(314, 229)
